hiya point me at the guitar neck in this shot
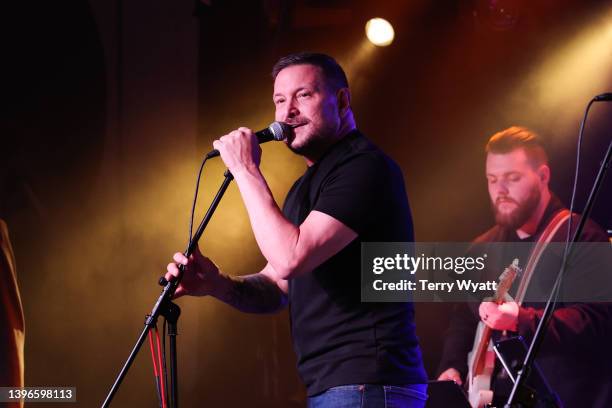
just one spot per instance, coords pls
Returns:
(481, 350)
(477, 364)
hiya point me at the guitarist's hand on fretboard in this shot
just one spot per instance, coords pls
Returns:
(501, 317)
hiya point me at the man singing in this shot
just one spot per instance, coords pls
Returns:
(350, 354)
(574, 358)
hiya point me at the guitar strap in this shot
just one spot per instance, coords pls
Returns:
(538, 249)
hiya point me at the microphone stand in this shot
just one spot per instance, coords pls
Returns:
(169, 310)
(538, 337)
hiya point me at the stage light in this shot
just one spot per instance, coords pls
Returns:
(379, 31)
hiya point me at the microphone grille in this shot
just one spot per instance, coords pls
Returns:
(280, 130)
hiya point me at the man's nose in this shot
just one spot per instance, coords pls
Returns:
(502, 188)
(291, 111)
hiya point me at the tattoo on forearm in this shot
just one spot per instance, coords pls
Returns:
(255, 294)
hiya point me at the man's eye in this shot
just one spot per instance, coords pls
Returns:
(304, 95)
(514, 178)
(279, 101)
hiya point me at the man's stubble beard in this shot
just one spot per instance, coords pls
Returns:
(315, 143)
(519, 216)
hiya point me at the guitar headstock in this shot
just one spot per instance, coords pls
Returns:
(515, 265)
(506, 278)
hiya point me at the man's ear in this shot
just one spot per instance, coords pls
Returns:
(544, 173)
(344, 100)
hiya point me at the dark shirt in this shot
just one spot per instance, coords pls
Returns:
(574, 356)
(338, 339)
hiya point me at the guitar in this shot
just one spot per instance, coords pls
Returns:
(481, 359)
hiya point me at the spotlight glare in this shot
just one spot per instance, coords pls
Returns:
(379, 31)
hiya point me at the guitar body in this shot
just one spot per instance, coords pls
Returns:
(479, 385)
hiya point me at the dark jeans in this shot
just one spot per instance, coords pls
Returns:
(371, 396)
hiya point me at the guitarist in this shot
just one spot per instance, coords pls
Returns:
(574, 358)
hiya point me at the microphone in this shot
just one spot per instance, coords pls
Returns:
(276, 131)
(603, 97)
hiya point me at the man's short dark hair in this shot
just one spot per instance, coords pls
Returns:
(517, 137)
(333, 73)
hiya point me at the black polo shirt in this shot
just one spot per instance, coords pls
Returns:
(338, 339)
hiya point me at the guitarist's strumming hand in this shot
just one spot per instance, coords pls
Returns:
(502, 316)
